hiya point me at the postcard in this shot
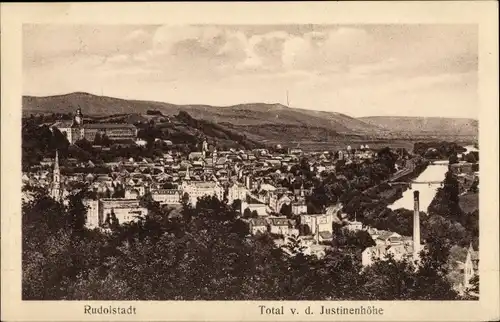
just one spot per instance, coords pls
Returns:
(296, 161)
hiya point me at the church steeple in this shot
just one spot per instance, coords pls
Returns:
(214, 157)
(187, 177)
(56, 179)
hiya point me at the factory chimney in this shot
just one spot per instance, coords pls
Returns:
(416, 225)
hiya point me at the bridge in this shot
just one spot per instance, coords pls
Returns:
(415, 182)
(428, 182)
(441, 163)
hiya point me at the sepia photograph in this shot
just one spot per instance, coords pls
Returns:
(262, 162)
(326, 163)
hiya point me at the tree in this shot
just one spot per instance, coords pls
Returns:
(472, 292)
(105, 141)
(97, 139)
(84, 144)
(247, 213)
(453, 159)
(470, 157)
(286, 210)
(185, 198)
(236, 205)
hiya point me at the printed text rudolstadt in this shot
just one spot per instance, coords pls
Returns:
(109, 310)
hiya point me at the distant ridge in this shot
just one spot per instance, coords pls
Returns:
(421, 125)
(241, 114)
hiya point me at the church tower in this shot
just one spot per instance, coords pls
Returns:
(187, 176)
(204, 148)
(468, 267)
(302, 190)
(214, 157)
(55, 192)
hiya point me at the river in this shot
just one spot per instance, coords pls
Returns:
(433, 172)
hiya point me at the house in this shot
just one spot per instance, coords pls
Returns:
(196, 155)
(354, 225)
(197, 189)
(278, 200)
(462, 167)
(314, 223)
(166, 196)
(400, 251)
(260, 208)
(281, 226)
(388, 238)
(235, 192)
(258, 225)
(124, 210)
(325, 236)
(295, 151)
(299, 207)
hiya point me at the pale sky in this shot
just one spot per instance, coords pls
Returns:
(358, 70)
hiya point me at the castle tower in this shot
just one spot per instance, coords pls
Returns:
(416, 225)
(55, 192)
(78, 119)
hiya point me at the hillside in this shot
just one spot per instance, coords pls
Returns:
(425, 125)
(262, 122)
(244, 114)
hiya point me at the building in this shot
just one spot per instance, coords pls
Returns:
(399, 251)
(198, 189)
(392, 243)
(166, 196)
(259, 208)
(76, 129)
(125, 210)
(462, 167)
(296, 151)
(316, 223)
(235, 192)
(299, 207)
(281, 226)
(257, 225)
(278, 200)
(354, 225)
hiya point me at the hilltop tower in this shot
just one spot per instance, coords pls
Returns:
(416, 225)
(55, 191)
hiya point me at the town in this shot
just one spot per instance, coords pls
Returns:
(275, 191)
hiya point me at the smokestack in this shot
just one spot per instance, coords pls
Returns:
(416, 225)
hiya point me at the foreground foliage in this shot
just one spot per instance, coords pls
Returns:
(203, 253)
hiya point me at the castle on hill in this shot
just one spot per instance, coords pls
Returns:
(77, 129)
